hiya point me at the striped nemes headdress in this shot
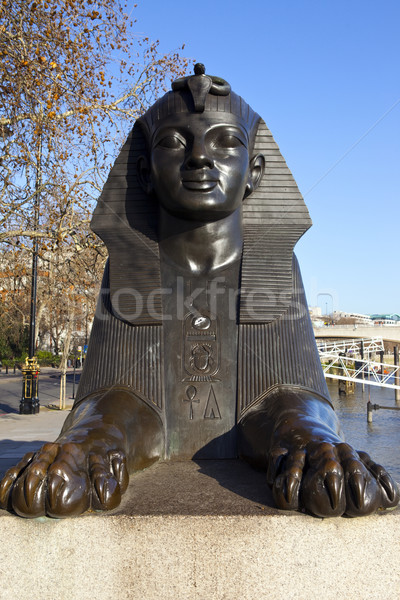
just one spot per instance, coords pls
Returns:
(274, 215)
(200, 93)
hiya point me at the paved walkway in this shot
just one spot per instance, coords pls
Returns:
(23, 433)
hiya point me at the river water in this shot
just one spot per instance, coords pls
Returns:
(381, 438)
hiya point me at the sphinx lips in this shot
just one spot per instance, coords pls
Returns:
(202, 183)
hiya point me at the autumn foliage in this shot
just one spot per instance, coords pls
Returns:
(73, 77)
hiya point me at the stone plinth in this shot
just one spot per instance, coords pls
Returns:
(204, 531)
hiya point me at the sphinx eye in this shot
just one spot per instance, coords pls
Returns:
(171, 141)
(228, 140)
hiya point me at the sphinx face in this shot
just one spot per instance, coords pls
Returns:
(200, 165)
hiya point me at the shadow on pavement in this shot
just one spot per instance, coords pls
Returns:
(5, 408)
(11, 452)
(239, 478)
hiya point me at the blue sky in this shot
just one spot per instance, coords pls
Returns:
(324, 75)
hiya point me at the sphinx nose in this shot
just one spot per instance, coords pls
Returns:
(199, 157)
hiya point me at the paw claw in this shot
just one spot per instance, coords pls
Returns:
(334, 487)
(274, 463)
(286, 492)
(118, 466)
(390, 488)
(26, 496)
(107, 491)
(53, 491)
(100, 486)
(5, 489)
(32, 485)
(10, 477)
(292, 487)
(386, 483)
(357, 487)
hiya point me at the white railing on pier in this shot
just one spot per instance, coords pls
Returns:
(360, 370)
(370, 346)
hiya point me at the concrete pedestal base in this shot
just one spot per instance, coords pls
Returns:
(188, 531)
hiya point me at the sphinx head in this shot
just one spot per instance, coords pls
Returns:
(200, 137)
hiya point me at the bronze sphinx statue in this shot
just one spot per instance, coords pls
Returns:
(199, 206)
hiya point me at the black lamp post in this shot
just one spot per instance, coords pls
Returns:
(29, 404)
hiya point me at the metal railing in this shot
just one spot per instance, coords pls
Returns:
(368, 345)
(371, 407)
(360, 370)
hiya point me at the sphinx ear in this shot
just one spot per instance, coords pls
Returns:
(256, 171)
(144, 175)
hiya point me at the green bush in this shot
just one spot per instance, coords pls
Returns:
(55, 361)
(47, 359)
(19, 361)
(44, 358)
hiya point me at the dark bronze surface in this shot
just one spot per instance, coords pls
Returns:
(199, 206)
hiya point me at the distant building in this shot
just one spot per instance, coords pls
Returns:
(347, 318)
(389, 319)
(316, 316)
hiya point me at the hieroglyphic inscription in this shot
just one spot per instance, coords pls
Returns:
(191, 397)
(201, 348)
(212, 409)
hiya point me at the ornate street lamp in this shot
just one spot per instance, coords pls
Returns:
(29, 404)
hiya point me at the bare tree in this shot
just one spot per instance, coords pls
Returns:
(73, 77)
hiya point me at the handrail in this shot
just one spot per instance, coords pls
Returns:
(371, 407)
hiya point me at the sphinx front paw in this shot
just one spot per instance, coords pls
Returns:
(328, 480)
(64, 480)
